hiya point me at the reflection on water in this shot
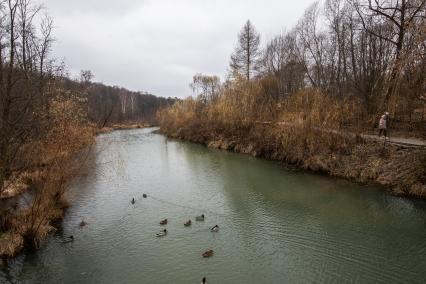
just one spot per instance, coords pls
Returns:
(276, 225)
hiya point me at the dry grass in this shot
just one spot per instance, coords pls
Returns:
(10, 243)
(122, 126)
(13, 187)
(318, 109)
(51, 163)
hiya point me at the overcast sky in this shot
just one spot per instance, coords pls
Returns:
(158, 45)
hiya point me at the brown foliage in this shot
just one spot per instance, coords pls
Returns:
(43, 125)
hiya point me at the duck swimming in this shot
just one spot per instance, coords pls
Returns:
(133, 201)
(144, 195)
(204, 281)
(208, 253)
(163, 222)
(162, 233)
(200, 218)
(70, 240)
(188, 223)
(215, 228)
(82, 223)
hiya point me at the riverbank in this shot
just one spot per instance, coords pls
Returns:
(398, 170)
(123, 126)
(33, 199)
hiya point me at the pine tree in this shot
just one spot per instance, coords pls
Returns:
(245, 59)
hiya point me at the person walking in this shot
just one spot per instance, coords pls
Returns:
(383, 126)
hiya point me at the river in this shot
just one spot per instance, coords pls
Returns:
(277, 224)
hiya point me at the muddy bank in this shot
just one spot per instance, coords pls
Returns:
(398, 170)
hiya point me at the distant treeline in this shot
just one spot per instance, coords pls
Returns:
(117, 105)
(111, 104)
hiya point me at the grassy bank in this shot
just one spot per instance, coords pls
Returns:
(400, 171)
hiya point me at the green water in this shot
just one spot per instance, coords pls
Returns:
(276, 225)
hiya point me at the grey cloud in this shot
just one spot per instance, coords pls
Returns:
(79, 7)
(157, 45)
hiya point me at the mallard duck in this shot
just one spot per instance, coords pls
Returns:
(163, 222)
(162, 233)
(70, 240)
(215, 228)
(82, 223)
(133, 201)
(204, 281)
(144, 195)
(200, 218)
(208, 253)
(188, 223)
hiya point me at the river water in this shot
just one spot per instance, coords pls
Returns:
(277, 225)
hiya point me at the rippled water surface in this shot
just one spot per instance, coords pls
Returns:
(276, 225)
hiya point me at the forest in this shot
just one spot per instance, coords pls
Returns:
(344, 64)
(109, 105)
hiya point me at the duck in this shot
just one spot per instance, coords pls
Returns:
(204, 280)
(133, 200)
(144, 195)
(215, 228)
(82, 223)
(70, 240)
(162, 233)
(188, 223)
(200, 218)
(163, 222)
(208, 253)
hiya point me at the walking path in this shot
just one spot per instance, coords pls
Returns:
(409, 142)
(399, 141)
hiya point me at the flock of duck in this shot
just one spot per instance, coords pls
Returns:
(188, 223)
(164, 232)
(201, 218)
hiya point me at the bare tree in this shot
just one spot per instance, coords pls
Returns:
(245, 59)
(24, 74)
(397, 16)
(313, 44)
(86, 76)
(281, 60)
(205, 87)
(366, 55)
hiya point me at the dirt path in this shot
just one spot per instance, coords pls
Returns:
(399, 141)
(411, 142)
